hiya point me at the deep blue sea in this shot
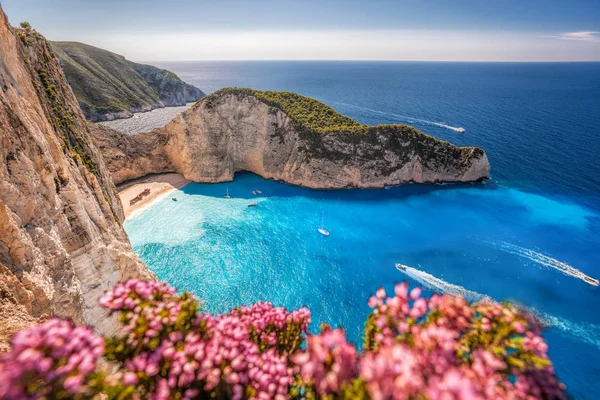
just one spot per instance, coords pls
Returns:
(511, 238)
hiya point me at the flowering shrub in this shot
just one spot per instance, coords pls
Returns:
(52, 360)
(414, 348)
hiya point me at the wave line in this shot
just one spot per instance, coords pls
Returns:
(584, 332)
(405, 118)
(545, 260)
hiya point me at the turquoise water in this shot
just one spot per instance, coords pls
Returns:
(491, 240)
(510, 238)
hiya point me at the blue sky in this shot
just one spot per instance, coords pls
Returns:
(480, 30)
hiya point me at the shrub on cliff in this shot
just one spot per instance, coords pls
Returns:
(310, 116)
(414, 348)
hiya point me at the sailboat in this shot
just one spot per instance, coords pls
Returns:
(321, 229)
(227, 196)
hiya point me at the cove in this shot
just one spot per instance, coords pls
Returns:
(487, 239)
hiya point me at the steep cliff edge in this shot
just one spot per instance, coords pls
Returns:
(61, 240)
(290, 138)
(108, 86)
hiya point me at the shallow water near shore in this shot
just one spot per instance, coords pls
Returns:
(510, 238)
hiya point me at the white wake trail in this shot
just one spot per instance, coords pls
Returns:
(441, 286)
(406, 118)
(544, 260)
(584, 332)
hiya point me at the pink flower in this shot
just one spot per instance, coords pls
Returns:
(129, 378)
(329, 361)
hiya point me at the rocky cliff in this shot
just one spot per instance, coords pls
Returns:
(109, 87)
(291, 138)
(61, 240)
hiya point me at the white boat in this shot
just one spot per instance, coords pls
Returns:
(251, 204)
(227, 196)
(591, 281)
(321, 229)
(460, 130)
(401, 267)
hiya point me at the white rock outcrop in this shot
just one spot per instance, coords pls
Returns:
(229, 132)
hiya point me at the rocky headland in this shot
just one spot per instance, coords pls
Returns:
(290, 138)
(109, 87)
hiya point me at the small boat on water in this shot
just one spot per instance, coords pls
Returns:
(401, 267)
(251, 204)
(227, 196)
(460, 130)
(321, 229)
(255, 192)
(591, 281)
(174, 198)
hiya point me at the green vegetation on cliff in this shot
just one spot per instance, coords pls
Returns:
(307, 113)
(49, 87)
(311, 115)
(313, 120)
(106, 83)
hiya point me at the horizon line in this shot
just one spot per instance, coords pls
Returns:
(375, 60)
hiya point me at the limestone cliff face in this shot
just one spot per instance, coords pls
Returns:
(61, 241)
(231, 131)
(132, 156)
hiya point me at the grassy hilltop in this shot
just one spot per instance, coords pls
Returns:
(106, 83)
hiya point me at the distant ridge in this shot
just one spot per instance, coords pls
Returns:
(109, 87)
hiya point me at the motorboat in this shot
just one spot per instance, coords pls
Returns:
(401, 267)
(174, 198)
(227, 196)
(591, 281)
(460, 130)
(251, 204)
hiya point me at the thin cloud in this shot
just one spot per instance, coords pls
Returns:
(584, 36)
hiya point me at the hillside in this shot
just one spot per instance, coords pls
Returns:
(287, 137)
(108, 86)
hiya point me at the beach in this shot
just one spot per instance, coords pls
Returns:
(158, 185)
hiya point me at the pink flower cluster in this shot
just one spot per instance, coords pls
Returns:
(53, 359)
(446, 348)
(242, 354)
(274, 326)
(130, 294)
(329, 362)
(437, 348)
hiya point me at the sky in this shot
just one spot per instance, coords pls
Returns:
(416, 30)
